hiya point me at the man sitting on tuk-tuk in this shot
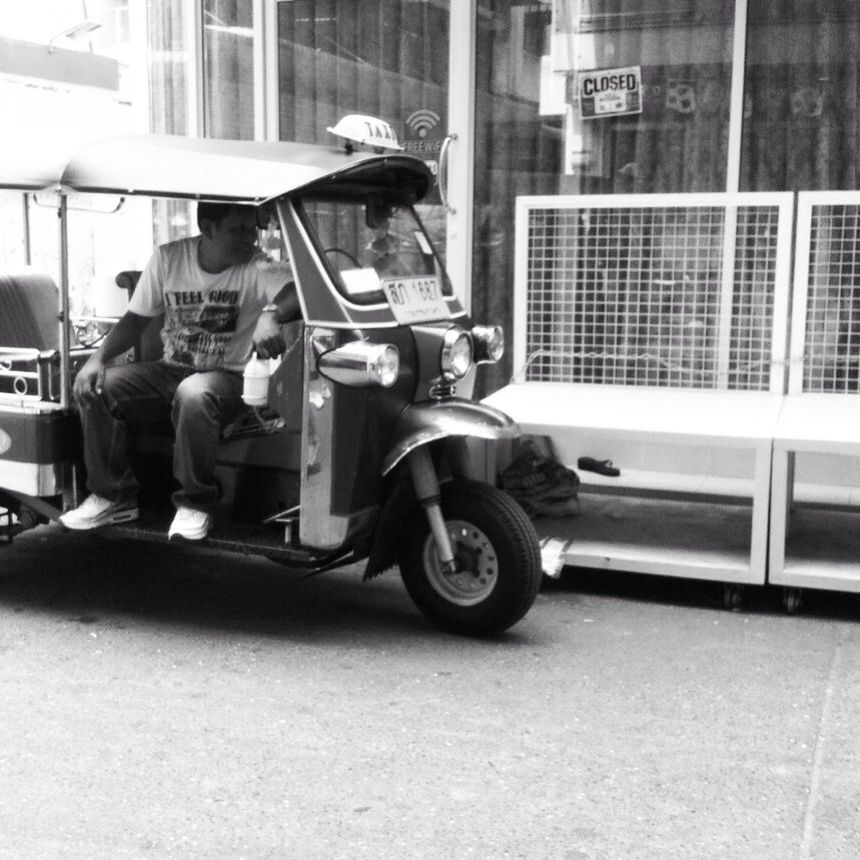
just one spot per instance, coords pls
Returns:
(221, 297)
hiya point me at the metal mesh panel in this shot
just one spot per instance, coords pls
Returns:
(753, 287)
(832, 349)
(636, 296)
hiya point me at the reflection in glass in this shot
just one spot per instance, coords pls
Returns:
(800, 130)
(800, 97)
(169, 48)
(385, 58)
(228, 61)
(531, 137)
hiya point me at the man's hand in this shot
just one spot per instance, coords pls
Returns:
(268, 338)
(89, 381)
(91, 377)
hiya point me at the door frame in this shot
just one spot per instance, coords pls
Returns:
(461, 163)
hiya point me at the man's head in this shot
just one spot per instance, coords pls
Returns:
(229, 233)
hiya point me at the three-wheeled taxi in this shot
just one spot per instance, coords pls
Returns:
(361, 449)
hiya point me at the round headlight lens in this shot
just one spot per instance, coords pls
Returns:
(387, 366)
(489, 341)
(456, 358)
(361, 364)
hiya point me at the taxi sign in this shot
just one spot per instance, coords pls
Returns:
(367, 130)
(415, 299)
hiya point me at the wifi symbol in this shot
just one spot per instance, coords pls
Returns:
(421, 121)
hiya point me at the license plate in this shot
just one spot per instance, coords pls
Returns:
(414, 300)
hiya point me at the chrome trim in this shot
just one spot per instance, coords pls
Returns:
(482, 337)
(442, 390)
(34, 366)
(23, 406)
(319, 528)
(376, 324)
(429, 421)
(358, 364)
(441, 179)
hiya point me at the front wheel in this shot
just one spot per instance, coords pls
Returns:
(498, 566)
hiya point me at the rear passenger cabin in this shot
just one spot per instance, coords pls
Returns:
(40, 441)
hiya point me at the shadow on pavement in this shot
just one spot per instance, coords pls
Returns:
(88, 577)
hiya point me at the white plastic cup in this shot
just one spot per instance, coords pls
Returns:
(255, 391)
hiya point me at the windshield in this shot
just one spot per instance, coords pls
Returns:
(369, 243)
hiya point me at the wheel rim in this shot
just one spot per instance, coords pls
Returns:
(477, 566)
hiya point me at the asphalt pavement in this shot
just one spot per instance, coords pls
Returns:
(157, 703)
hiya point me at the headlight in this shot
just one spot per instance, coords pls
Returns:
(456, 357)
(361, 364)
(489, 343)
(386, 366)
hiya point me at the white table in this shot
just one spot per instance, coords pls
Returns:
(815, 548)
(710, 447)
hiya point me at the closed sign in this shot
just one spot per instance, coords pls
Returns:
(609, 92)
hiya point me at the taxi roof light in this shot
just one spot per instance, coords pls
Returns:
(365, 130)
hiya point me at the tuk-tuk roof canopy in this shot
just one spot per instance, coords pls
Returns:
(198, 168)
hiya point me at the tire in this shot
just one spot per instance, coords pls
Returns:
(498, 557)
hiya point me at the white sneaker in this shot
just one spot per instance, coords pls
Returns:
(96, 511)
(190, 524)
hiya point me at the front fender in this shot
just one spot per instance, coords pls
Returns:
(428, 421)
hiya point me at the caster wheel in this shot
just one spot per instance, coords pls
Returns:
(733, 596)
(792, 600)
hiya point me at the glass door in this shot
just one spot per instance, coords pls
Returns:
(391, 59)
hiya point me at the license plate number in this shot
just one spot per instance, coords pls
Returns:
(414, 300)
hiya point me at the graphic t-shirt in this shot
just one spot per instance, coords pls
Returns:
(209, 319)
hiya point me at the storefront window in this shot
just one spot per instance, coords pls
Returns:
(169, 43)
(227, 88)
(15, 239)
(69, 71)
(228, 60)
(654, 116)
(801, 113)
(385, 58)
(800, 133)
(593, 97)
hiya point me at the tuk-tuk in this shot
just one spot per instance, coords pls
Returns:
(363, 444)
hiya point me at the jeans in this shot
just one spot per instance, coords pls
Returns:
(144, 394)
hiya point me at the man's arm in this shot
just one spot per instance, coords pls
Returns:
(123, 336)
(268, 338)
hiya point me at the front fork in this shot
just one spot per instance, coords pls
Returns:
(427, 491)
